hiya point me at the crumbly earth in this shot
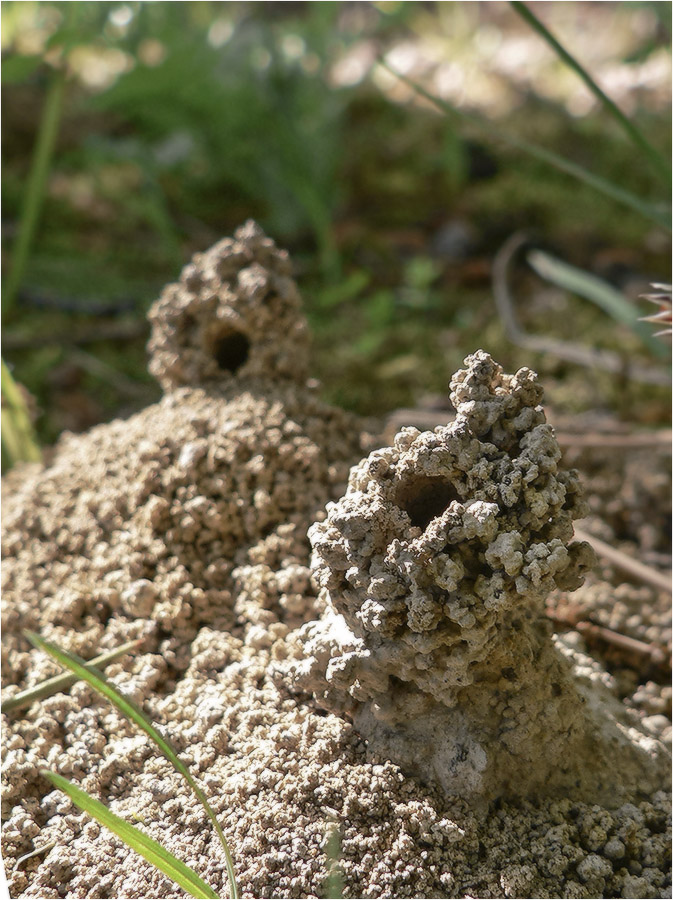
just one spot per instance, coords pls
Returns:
(630, 496)
(196, 509)
(187, 526)
(629, 500)
(279, 774)
(434, 566)
(236, 311)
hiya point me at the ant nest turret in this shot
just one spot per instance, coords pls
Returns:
(434, 567)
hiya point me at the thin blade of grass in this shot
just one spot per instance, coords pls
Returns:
(18, 437)
(33, 200)
(36, 188)
(149, 849)
(597, 291)
(62, 682)
(95, 679)
(334, 883)
(633, 132)
(597, 182)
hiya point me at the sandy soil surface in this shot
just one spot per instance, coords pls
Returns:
(186, 525)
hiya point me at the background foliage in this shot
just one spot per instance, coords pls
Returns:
(174, 122)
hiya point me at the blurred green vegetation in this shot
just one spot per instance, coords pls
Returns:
(181, 120)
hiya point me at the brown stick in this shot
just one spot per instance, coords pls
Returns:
(646, 574)
(655, 653)
(427, 419)
(37, 852)
(89, 334)
(633, 441)
(65, 680)
(591, 357)
(631, 645)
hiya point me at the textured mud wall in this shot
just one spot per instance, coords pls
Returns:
(235, 311)
(435, 566)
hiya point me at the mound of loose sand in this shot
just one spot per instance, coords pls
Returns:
(186, 526)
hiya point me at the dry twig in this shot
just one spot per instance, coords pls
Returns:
(621, 560)
(583, 356)
(427, 419)
(88, 334)
(574, 618)
(63, 681)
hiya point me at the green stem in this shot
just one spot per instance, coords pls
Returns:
(18, 438)
(124, 704)
(35, 191)
(634, 133)
(547, 156)
(63, 681)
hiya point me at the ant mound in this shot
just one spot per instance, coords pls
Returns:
(186, 526)
(193, 509)
(193, 512)
(435, 566)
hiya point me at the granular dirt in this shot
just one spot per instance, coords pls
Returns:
(186, 526)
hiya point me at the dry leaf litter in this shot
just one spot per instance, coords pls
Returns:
(187, 525)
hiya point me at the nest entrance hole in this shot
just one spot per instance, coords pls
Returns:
(231, 351)
(425, 497)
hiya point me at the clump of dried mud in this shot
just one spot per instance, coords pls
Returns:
(434, 567)
(187, 525)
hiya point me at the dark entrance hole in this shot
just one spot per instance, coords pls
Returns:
(425, 497)
(231, 351)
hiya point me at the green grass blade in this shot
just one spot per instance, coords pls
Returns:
(18, 437)
(633, 132)
(334, 883)
(35, 190)
(95, 679)
(614, 191)
(150, 850)
(62, 682)
(597, 291)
